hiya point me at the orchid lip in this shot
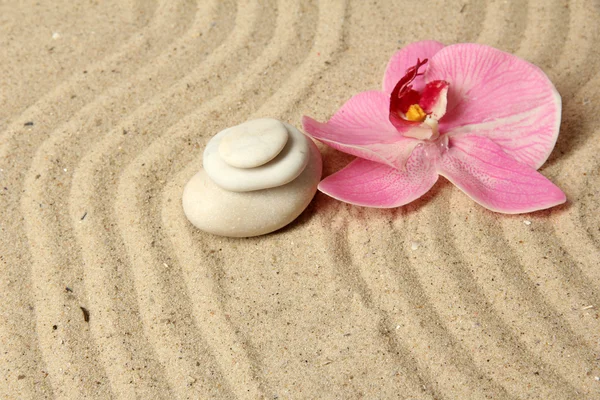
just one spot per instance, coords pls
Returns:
(433, 123)
(415, 114)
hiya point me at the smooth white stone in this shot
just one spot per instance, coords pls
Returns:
(253, 143)
(288, 164)
(244, 214)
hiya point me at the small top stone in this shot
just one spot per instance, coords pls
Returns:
(285, 167)
(253, 143)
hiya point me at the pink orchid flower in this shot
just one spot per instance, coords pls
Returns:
(482, 118)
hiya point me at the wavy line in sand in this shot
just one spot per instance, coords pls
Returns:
(18, 316)
(550, 21)
(402, 318)
(272, 53)
(209, 313)
(489, 293)
(569, 340)
(477, 333)
(575, 150)
(51, 146)
(83, 87)
(243, 384)
(57, 314)
(538, 321)
(572, 71)
(508, 36)
(23, 141)
(551, 273)
(542, 308)
(65, 56)
(560, 251)
(573, 255)
(15, 253)
(221, 56)
(96, 259)
(438, 351)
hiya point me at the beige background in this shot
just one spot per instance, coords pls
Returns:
(123, 95)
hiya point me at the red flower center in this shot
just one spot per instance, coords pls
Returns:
(410, 107)
(403, 96)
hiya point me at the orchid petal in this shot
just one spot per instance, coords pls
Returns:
(404, 59)
(491, 177)
(362, 128)
(371, 184)
(499, 96)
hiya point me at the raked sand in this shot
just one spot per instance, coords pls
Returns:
(107, 292)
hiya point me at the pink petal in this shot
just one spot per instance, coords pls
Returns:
(406, 58)
(362, 128)
(492, 178)
(371, 184)
(499, 96)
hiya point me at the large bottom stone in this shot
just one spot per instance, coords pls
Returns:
(243, 214)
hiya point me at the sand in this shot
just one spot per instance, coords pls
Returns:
(106, 291)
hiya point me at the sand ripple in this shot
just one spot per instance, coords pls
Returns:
(108, 292)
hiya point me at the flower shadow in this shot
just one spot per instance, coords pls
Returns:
(574, 133)
(326, 206)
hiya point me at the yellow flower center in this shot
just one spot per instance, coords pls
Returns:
(415, 113)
